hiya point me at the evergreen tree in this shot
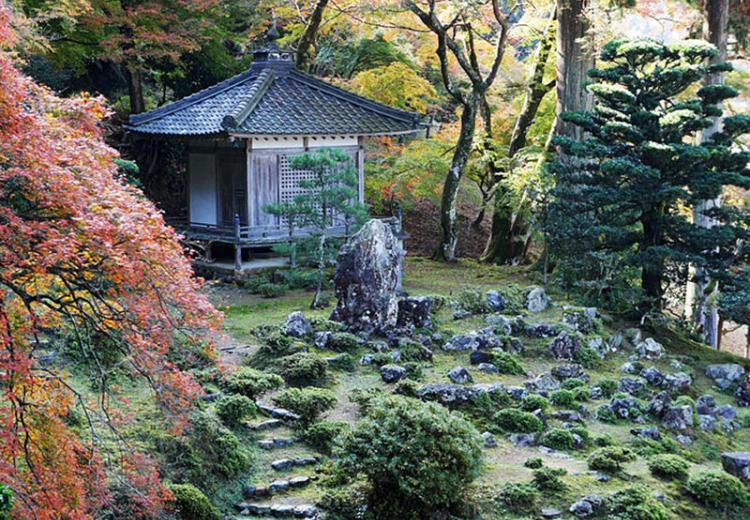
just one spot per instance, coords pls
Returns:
(328, 201)
(620, 207)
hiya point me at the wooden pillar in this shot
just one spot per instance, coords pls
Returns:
(361, 169)
(237, 246)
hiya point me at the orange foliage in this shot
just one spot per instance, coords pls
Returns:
(80, 250)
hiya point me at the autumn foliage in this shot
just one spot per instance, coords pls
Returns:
(83, 255)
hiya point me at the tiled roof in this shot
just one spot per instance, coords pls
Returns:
(274, 100)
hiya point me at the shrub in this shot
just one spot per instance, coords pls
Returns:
(251, 382)
(581, 393)
(717, 489)
(605, 414)
(344, 362)
(322, 435)
(608, 387)
(473, 300)
(345, 502)
(343, 342)
(534, 462)
(231, 409)
(587, 357)
(559, 439)
(444, 456)
(519, 496)
(406, 387)
(548, 479)
(191, 504)
(303, 369)
(308, 403)
(669, 467)
(534, 402)
(517, 421)
(271, 290)
(635, 503)
(603, 440)
(572, 383)
(508, 364)
(6, 502)
(610, 458)
(582, 432)
(563, 398)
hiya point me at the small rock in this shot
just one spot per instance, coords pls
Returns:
(489, 440)
(551, 513)
(305, 511)
(705, 404)
(568, 371)
(496, 301)
(684, 440)
(322, 338)
(581, 509)
(678, 418)
(392, 373)
(649, 349)
(543, 384)
(297, 482)
(487, 368)
(517, 393)
(278, 486)
(565, 346)
(281, 464)
(414, 311)
(367, 359)
(459, 375)
(707, 422)
(522, 440)
(596, 393)
(537, 300)
(737, 463)
(480, 356)
(658, 405)
(622, 406)
(631, 386)
(282, 510)
(257, 509)
(679, 382)
(725, 375)
(742, 394)
(629, 368)
(304, 461)
(726, 412)
(448, 394)
(267, 425)
(500, 323)
(651, 433)
(653, 375)
(297, 325)
(583, 320)
(462, 314)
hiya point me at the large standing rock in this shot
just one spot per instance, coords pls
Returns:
(649, 349)
(367, 277)
(537, 300)
(737, 463)
(297, 325)
(565, 346)
(742, 394)
(725, 375)
(414, 311)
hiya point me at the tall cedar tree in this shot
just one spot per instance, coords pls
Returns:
(622, 198)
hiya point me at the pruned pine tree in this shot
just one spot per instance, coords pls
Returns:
(328, 202)
(620, 205)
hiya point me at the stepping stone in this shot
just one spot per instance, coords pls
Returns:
(304, 461)
(281, 464)
(267, 425)
(270, 444)
(305, 511)
(278, 413)
(282, 510)
(278, 486)
(298, 482)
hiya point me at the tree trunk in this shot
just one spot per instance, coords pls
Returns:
(697, 307)
(448, 214)
(308, 37)
(135, 90)
(574, 59)
(652, 273)
(506, 242)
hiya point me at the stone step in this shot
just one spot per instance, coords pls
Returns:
(278, 510)
(275, 443)
(282, 464)
(278, 413)
(277, 486)
(270, 424)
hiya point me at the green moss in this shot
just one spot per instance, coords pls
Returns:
(717, 489)
(669, 467)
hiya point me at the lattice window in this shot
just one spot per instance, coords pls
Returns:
(289, 187)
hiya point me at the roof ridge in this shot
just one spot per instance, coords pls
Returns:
(375, 106)
(260, 86)
(195, 97)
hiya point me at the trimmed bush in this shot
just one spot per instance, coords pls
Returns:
(610, 459)
(548, 479)
(472, 300)
(635, 503)
(608, 387)
(519, 496)
(669, 467)
(587, 357)
(559, 439)
(231, 409)
(603, 440)
(343, 362)
(343, 342)
(191, 504)
(406, 387)
(717, 489)
(582, 393)
(444, 455)
(517, 421)
(572, 383)
(563, 398)
(303, 369)
(322, 435)
(308, 403)
(508, 364)
(534, 462)
(251, 383)
(605, 414)
(345, 502)
(534, 402)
